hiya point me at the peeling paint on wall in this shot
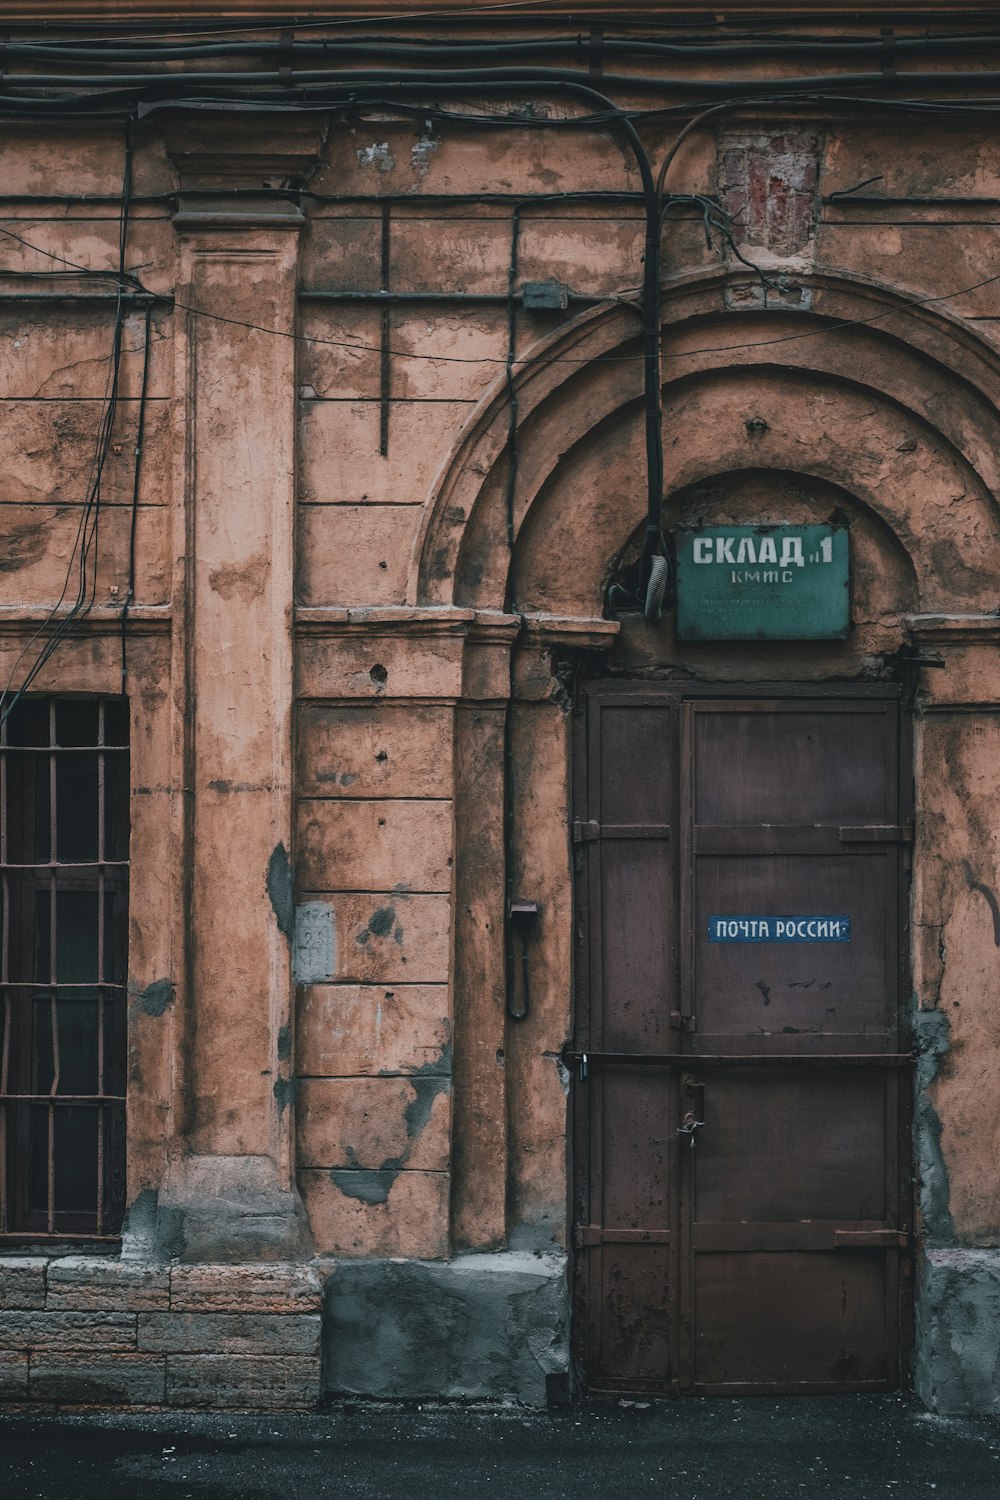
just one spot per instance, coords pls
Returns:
(284, 1092)
(931, 1042)
(153, 1230)
(379, 925)
(377, 155)
(366, 1186)
(154, 999)
(988, 896)
(427, 1082)
(418, 1111)
(422, 151)
(279, 889)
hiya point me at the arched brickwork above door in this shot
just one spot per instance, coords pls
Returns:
(892, 403)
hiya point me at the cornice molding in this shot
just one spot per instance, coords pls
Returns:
(480, 626)
(338, 621)
(142, 619)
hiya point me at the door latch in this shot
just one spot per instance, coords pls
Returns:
(693, 1117)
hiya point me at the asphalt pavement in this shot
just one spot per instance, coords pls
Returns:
(832, 1448)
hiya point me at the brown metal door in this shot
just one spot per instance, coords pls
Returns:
(740, 868)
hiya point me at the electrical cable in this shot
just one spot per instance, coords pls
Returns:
(113, 104)
(471, 79)
(610, 115)
(283, 89)
(466, 47)
(141, 416)
(696, 23)
(510, 488)
(488, 359)
(441, 15)
(465, 50)
(510, 500)
(136, 485)
(88, 527)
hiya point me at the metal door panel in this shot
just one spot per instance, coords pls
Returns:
(625, 1260)
(780, 758)
(791, 1321)
(813, 988)
(799, 1145)
(636, 1113)
(635, 753)
(766, 1257)
(633, 1339)
(635, 885)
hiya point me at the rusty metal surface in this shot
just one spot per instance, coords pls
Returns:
(745, 1230)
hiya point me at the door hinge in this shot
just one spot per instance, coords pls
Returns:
(586, 833)
(878, 1239)
(587, 1236)
(877, 833)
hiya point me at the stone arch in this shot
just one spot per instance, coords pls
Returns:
(891, 402)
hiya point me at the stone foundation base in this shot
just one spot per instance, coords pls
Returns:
(485, 1327)
(957, 1364)
(102, 1331)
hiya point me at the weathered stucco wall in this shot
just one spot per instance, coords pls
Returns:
(342, 630)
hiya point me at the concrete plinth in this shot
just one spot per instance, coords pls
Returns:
(957, 1365)
(218, 1209)
(478, 1327)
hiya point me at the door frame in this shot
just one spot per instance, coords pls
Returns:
(670, 694)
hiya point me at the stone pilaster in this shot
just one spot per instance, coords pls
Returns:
(230, 1191)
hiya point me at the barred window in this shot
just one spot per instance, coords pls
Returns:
(64, 864)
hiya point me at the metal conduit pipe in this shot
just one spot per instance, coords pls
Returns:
(513, 51)
(360, 84)
(509, 78)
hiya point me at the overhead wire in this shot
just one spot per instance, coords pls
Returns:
(84, 556)
(443, 13)
(364, 86)
(138, 290)
(140, 416)
(466, 49)
(290, 91)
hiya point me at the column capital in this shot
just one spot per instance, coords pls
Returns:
(225, 179)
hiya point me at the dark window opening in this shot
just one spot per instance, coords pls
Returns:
(64, 786)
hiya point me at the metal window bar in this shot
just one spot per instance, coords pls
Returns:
(61, 1175)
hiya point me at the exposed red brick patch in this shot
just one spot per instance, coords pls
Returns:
(769, 187)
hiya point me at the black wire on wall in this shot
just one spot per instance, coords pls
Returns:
(84, 557)
(349, 90)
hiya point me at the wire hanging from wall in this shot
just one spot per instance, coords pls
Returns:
(136, 485)
(84, 557)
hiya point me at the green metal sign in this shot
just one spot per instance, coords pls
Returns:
(763, 583)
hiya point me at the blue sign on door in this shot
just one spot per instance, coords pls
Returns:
(737, 929)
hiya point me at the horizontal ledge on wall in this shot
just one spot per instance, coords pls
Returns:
(482, 626)
(571, 630)
(407, 620)
(337, 620)
(223, 218)
(142, 619)
(958, 710)
(954, 629)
